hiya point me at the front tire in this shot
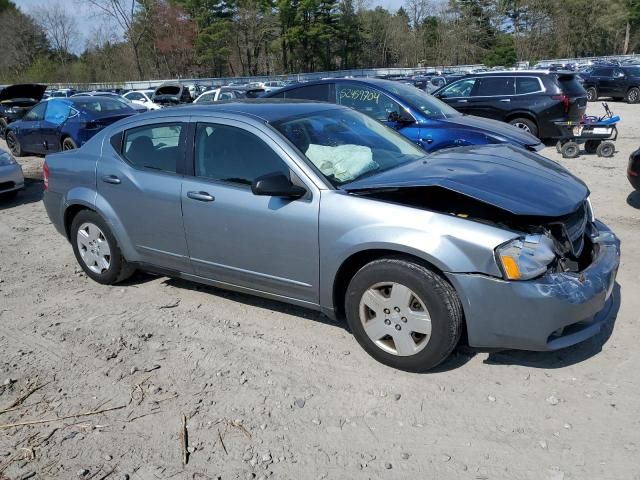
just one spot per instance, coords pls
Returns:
(403, 314)
(525, 124)
(96, 249)
(592, 94)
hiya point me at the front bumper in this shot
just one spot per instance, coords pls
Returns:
(11, 178)
(554, 311)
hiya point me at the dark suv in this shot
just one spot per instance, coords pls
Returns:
(611, 81)
(531, 100)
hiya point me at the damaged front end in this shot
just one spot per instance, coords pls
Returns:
(556, 244)
(557, 274)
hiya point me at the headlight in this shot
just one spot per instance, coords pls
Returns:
(526, 258)
(6, 159)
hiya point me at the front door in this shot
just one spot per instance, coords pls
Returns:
(458, 94)
(139, 179)
(267, 244)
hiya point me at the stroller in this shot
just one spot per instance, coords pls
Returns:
(596, 133)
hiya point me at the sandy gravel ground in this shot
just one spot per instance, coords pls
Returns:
(270, 390)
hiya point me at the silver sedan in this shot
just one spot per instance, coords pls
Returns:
(11, 177)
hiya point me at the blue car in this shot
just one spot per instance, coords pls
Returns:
(63, 124)
(423, 119)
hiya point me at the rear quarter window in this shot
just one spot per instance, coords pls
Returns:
(526, 85)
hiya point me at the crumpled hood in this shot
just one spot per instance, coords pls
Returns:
(504, 176)
(494, 127)
(23, 90)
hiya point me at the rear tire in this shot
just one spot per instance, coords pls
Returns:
(633, 95)
(592, 94)
(570, 150)
(606, 149)
(92, 240)
(420, 315)
(68, 144)
(14, 145)
(526, 125)
(591, 146)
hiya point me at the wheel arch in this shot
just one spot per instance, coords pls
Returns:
(522, 114)
(350, 266)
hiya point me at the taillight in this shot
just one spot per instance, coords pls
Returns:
(45, 175)
(565, 101)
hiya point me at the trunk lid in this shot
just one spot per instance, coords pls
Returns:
(504, 176)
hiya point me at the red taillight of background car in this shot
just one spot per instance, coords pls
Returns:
(45, 175)
(565, 101)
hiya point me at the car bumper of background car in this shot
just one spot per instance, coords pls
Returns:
(11, 178)
(554, 311)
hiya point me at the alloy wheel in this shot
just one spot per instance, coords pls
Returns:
(522, 126)
(633, 96)
(395, 319)
(94, 248)
(12, 143)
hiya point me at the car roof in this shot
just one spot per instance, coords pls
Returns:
(380, 83)
(266, 109)
(522, 73)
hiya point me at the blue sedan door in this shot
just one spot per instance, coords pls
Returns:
(258, 243)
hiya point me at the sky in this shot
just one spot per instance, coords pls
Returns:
(87, 20)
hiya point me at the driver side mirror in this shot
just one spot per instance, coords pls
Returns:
(276, 184)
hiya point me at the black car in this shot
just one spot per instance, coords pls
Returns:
(619, 83)
(171, 93)
(16, 101)
(532, 100)
(633, 170)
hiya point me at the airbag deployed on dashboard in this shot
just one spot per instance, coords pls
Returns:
(343, 162)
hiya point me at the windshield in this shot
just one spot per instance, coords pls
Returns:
(345, 145)
(99, 104)
(428, 105)
(632, 71)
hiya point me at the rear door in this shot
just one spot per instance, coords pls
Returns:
(492, 97)
(139, 178)
(268, 244)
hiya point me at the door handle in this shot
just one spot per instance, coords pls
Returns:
(111, 179)
(505, 99)
(463, 101)
(427, 140)
(201, 196)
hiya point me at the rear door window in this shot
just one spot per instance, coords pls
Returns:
(494, 86)
(57, 112)
(319, 93)
(526, 85)
(154, 147)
